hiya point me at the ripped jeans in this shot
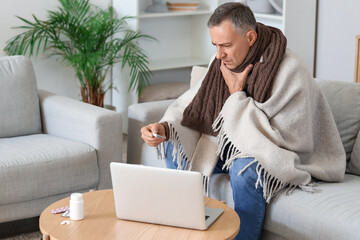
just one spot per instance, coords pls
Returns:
(249, 202)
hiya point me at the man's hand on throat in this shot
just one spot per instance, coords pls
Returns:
(235, 81)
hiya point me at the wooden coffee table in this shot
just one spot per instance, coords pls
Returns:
(100, 222)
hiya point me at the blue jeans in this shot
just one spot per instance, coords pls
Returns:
(249, 202)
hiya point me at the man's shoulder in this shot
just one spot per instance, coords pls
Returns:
(292, 59)
(292, 74)
(293, 66)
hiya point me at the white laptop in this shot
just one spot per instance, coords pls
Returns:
(162, 196)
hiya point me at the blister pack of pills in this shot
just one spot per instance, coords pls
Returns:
(60, 210)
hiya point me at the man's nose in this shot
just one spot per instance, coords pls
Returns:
(220, 53)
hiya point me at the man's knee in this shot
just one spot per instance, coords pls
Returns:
(248, 177)
(246, 166)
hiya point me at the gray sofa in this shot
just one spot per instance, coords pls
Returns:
(332, 213)
(50, 146)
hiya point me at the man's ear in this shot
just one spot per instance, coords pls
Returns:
(251, 36)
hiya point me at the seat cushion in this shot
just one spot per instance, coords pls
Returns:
(19, 108)
(332, 213)
(37, 166)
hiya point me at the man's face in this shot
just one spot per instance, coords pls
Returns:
(232, 46)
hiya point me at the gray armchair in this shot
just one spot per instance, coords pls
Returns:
(50, 146)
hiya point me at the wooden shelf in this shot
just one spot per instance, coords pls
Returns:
(142, 15)
(173, 14)
(277, 17)
(173, 63)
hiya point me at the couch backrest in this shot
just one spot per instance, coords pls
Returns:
(19, 102)
(197, 74)
(344, 102)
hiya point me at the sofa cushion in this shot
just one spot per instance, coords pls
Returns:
(332, 213)
(37, 166)
(19, 108)
(344, 99)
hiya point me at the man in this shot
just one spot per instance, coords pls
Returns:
(273, 127)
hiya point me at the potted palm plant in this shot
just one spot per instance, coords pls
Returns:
(88, 39)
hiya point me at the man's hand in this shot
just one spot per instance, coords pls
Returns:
(149, 138)
(235, 81)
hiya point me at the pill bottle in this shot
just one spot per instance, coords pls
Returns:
(76, 206)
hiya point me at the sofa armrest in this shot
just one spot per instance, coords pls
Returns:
(98, 127)
(141, 115)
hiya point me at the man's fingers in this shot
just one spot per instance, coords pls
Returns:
(223, 68)
(248, 69)
(150, 129)
(147, 134)
(225, 72)
(146, 131)
(151, 140)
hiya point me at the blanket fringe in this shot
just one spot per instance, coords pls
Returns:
(206, 185)
(160, 150)
(180, 157)
(178, 153)
(310, 188)
(223, 141)
(271, 185)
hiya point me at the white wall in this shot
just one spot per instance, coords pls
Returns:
(338, 25)
(51, 74)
